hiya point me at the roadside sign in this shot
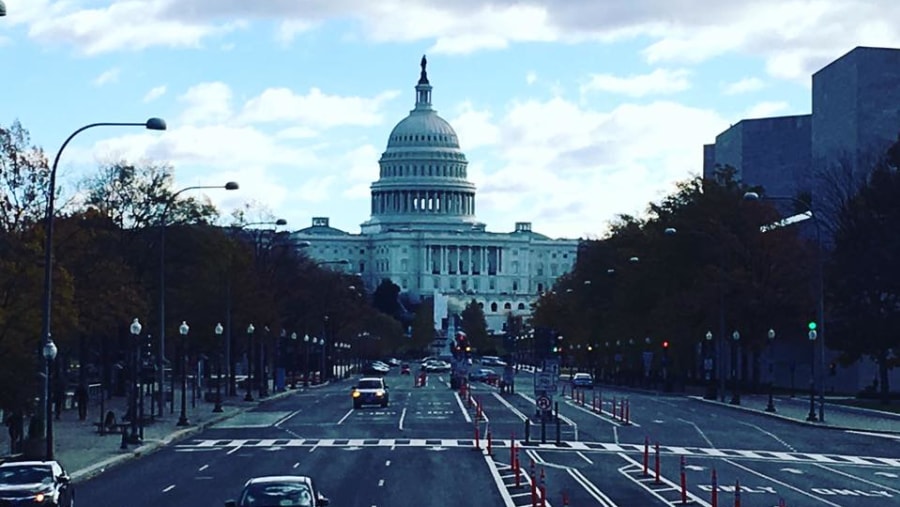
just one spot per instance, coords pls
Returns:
(544, 382)
(543, 402)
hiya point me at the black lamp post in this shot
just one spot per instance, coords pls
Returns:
(735, 368)
(135, 329)
(771, 339)
(49, 355)
(709, 367)
(306, 361)
(249, 379)
(219, 330)
(294, 360)
(183, 331)
(812, 376)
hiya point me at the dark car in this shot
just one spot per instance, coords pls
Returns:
(278, 491)
(404, 369)
(35, 483)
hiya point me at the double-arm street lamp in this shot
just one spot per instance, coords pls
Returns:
(151, 124)
(183, 330)
(231, 185)
(820, 286)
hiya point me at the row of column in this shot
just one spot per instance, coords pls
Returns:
(423, 201)
(463, 259)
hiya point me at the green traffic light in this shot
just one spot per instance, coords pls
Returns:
(812, 326)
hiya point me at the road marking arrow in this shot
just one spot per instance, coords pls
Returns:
(792, 471)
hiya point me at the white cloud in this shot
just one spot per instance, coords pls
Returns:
(206, 103)
(766, 108)
(155, 93)
(660, 81)
(315, 108)
(745, 85)
(107, 77)
(795, 37)
(475, 128)
(531, 77)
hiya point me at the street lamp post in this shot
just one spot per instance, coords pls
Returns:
(231, 185)
(2, 8)
(219, 330)
(306, 360)
(249, 379)
(812, 377)
(709, 365)
(183, 330)
(135, 330)
(735, 369)
(820, 285)
(771, 339)
(49, 356)
(151, 124)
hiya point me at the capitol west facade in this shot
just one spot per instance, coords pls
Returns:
(423, 234)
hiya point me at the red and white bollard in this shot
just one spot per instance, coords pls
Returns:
(656, 465)
(737, 493)
(714, 493)
(683, 483)
(489, 447)
(477, 438)
(543, 490)
(627, 413)
(646, 454)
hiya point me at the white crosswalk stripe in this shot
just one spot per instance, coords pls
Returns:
(565, 446)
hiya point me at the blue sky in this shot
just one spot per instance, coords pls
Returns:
(569, 112)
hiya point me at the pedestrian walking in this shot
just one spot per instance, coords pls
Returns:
(81, 399)
(14, 424)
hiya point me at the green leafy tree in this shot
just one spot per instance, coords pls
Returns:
(865, 284)
(423, 332)
(475, 327)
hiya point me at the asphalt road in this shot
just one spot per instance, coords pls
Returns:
(420, 451)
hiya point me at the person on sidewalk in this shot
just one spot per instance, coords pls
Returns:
(14, 424)
(81, 399)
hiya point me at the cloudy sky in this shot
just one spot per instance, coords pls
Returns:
(569, 112)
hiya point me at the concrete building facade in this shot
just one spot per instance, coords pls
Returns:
(423, 234)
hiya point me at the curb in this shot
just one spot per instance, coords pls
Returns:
(153, 446)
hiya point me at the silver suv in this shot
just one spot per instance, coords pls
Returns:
(370, 391)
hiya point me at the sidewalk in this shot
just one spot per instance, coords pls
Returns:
(837, 416)
(85, 452)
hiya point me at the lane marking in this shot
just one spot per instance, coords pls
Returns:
(168, 488)
(616, 434)
(581, 454)
(591, 488)
(780, 483)
(769, 433)
(387, 463)
(240, 443)
(285, 418)
(462, 407)
(635, 466)
(509, 405)
(296, 465)
(204, 467)
(402, 416)
(858, 478)
(380, 482)
(345, 417)
(699, 431)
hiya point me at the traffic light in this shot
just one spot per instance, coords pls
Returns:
(811, 325)
(665, 344)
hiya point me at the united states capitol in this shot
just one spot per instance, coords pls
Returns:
(423, 234)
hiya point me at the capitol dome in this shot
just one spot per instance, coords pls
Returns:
(422, 180)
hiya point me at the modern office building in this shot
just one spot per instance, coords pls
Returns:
(855, 118)
(423, 233)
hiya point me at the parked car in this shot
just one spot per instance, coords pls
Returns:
(583, 380)
(404, 369)
(482, 375)
(35, 483)
(287, 490)
(370, 391)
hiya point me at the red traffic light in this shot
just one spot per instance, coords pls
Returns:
(665, 344)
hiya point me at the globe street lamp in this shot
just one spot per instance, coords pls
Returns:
(294, 360)
(709, 367)
(135, 329)
(183, 330)
(49, 355)
(151, 124)
(248, 380)
(306, 360)
(231, 185)
(771, 339)
(219, 330)
(812, 375)
(2, 8)
(735, 367)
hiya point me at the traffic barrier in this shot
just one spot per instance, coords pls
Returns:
(565, 497)
(512, 448)
(656, 464)
(544, 490)
(737, 493)
(781, 502)
(683, 483)
(533, 486)
(627, 416)
(613, 412)
(477, 438)
(518, 469)
(714, 493)
(489, 447)
(622, 409)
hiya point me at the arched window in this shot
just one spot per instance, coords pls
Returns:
(507, 306)
(494, 307)
(521, 306)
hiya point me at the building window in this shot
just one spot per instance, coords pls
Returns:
(515, 287)
(362, 267)
(540, 288)
(507, 306)
(491, 284)
(521, 306)
(436, 282)
(493, 307)
(403, 283)
(540, 269)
